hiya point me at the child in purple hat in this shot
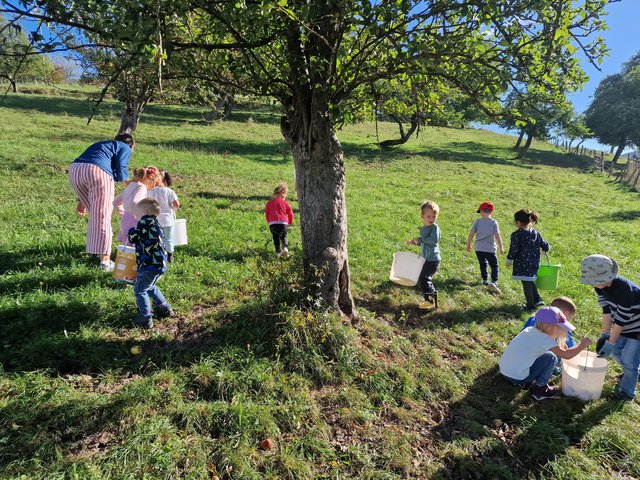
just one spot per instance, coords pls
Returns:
(530, 357)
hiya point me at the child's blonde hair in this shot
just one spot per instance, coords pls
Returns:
(429, 205)
(280, 190)
(152, 173)
(151, 205)
(565, 304)
(554, 330)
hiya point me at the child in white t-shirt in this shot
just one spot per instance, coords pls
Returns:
(169, 203)
(531, 356)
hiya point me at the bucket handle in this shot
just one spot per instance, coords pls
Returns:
(547, 256)
(586, 361)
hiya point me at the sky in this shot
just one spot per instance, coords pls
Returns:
(623, 41)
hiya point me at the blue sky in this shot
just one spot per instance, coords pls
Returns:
(623, 41)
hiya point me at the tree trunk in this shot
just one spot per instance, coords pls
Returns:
(525, 149)
(404, 136)
(11, 81)
(320, 177)
(517, 146)
(131, 113)
(621, 145)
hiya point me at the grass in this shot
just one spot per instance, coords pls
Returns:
(404, 394)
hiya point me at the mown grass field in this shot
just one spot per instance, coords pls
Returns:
(403, 394)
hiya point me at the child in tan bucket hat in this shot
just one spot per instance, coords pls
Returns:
(620, 302)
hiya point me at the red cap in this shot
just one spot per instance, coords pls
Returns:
(486, 206)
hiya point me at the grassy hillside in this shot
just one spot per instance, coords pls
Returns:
(404, 394)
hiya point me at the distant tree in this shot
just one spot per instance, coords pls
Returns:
(575, 128)
(535, 114)
(319, 59)
(427, 101)
(14, 64)
(614, 113)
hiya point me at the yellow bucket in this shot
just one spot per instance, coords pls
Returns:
(125, 270)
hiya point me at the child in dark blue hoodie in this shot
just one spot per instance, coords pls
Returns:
(151, 260)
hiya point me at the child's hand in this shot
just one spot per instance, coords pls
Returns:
(586, 342)
(502, 251)
(81, 209)
(412, 242)
(468, 248)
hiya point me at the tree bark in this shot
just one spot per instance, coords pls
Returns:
(621, 145)
(525, 149)
(320, 176)
(131, 113)
(11, 81)
(517, 146)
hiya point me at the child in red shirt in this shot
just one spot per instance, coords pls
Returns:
(279, 217)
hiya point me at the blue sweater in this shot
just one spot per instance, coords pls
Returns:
(111, 156)
(524, 252)
(622, 301)
(429, 238)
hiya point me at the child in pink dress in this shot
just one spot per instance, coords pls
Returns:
(144, 179)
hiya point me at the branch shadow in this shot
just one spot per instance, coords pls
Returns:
(512, 436)
(273, 153)
(627, 216)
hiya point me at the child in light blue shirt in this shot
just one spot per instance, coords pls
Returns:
(429, 250)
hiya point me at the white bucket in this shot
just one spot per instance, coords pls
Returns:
(406, 268)
(583, 376)
(180, 232)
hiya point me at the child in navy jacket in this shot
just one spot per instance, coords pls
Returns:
(524, 255)
(151, 260)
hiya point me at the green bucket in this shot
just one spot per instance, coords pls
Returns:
(548, 276)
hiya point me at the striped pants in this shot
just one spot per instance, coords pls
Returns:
(95, 188)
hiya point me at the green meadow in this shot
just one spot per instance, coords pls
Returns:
(401, 394)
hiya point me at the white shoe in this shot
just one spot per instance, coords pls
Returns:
(108, 266)
(284, 253)
(494, 288)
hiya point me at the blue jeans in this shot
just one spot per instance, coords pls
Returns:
(540, 372)
(145, 288)
(627, 354)
(168, 238)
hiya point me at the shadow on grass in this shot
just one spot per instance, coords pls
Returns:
(622, 216)
(274, 152)
(381, 302)
(231, 197)
(470, 152)
(155, 114)
(28, 259)
(526, 436)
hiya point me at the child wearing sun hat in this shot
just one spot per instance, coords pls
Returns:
(620, 302)
(531, 356)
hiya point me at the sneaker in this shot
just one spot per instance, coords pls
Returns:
(485, 282)
(169, 257)
(107, 266)
(623, 397)
(539, 303)
(284, 253)
(163, 311)
(494, 288)
(541, 392)
(143, 322)
(528, 308)
(557, 370)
